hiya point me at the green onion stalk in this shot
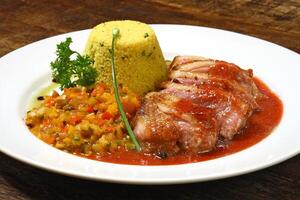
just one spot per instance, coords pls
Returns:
(115, 33)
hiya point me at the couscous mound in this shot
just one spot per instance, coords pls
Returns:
(140, 64)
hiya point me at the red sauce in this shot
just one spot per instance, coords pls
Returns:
(259, 126)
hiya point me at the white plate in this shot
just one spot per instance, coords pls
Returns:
(25, 70)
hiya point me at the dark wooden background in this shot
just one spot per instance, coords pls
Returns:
(25, 21)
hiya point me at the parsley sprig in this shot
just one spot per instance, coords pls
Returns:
(70, 72)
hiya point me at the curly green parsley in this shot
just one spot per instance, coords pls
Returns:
(70, 72)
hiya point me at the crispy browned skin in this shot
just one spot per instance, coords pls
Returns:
(202, 101)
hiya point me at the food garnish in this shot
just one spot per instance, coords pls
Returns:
(70, 72)
(115, 34)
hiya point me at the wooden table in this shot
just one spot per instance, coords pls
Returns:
(25, 21)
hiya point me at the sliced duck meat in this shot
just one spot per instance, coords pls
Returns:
(202, 101)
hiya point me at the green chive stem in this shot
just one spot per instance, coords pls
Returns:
(115, 33)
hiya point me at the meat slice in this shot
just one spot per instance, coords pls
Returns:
(158, 129)
(166, 123)
(203, 100)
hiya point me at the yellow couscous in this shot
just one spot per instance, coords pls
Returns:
(140, 64)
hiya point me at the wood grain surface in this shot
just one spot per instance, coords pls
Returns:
(26, 21)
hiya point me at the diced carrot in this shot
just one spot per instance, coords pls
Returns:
(90, 109)
(98, 90)
(53, 139)
(100, 122)
(75, 119)
(50, 139)
(106, 115)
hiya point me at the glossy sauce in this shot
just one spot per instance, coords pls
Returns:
(259, 126)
